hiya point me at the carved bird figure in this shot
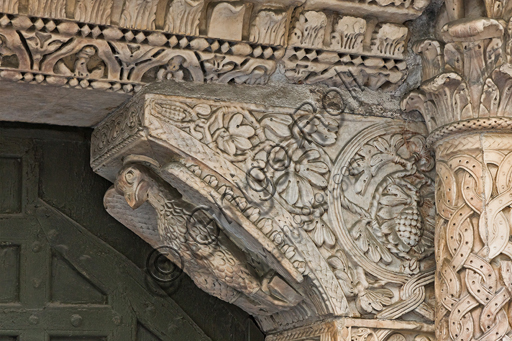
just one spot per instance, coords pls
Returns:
(208, 256)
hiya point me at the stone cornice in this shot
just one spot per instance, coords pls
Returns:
(121, 45)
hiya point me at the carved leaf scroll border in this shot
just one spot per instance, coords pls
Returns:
(209, 60)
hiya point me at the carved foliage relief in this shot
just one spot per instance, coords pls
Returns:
(357, 225)
(383, 209)
(468, 74)
(141, 41)
(465, 99)
(317, 56)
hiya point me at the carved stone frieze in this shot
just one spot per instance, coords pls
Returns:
(138, 42)
(315, 218)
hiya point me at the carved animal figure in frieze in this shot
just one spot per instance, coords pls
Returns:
(208, 256)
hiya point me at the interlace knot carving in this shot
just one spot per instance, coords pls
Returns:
(473, 205)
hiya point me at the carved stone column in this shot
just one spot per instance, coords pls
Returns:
(465, 99)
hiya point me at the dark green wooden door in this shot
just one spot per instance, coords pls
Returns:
(59, 282)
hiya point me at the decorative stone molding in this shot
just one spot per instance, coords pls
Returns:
(316, 219)
(357, 330)
(465, 99)
(465, 79)
(120, 45)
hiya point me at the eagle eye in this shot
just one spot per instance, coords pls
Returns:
(130, 177)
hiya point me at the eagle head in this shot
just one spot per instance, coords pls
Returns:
(134, 183)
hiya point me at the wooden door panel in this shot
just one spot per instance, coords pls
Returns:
(58, 282)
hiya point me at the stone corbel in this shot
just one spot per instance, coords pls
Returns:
(276, 202)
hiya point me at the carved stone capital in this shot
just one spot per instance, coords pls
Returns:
(465, 99)
(466, 79)
(273, 201)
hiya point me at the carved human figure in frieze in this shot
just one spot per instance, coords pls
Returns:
(208, 256)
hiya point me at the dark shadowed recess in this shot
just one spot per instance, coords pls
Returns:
(67, 183)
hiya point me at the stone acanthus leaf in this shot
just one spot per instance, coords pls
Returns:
(269, 27)
(97, 11)
(183, 17)
(465, 100)
(139, 14)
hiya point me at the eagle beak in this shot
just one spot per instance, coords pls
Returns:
(136, 198)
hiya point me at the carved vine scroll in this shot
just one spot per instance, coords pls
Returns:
(314, 230)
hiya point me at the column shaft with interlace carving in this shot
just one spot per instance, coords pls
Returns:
(473, 198)
(465, 100)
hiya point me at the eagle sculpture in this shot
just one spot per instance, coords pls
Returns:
(206, 254)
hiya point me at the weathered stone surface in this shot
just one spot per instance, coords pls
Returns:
(464, 98)
(317, 220)
(119, 45)
(333, 220)
(51, 105)
(115, 47)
